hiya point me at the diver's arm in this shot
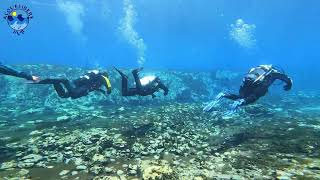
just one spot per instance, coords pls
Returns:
(284, 78)
(163, 87)
(8, 71)
(102, 91)
(231, 96)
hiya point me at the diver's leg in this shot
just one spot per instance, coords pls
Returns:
(137, 79)
(124, 83)
(132, 92)
(78, 92)
(67, 84)
(121, 73)
(48, 81)
(58, 86)
(60, 90)
(231, 96)
(63, 92)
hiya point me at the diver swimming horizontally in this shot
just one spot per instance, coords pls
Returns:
(255, 85)
(91, 81)
(11, 72)
(144, 87)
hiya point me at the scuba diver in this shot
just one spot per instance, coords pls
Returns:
(145, 86)
(11, 72)
(255, 85)
(91, 81)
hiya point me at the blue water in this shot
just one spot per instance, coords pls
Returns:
(193, 35)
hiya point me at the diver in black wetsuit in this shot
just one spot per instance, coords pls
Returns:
(144, 87)
(11, 72)
(91, 81)
(255, 85)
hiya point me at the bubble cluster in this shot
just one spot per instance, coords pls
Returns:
(74, 12)
(243, 34)
(128, 31)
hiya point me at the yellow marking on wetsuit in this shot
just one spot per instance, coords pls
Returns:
(107, 82)
(14, 13)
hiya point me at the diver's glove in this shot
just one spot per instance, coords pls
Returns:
(234, 107)
(288, 86)
(209, 107)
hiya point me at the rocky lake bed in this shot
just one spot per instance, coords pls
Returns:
(98, 137)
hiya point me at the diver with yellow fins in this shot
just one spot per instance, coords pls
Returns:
(91, 81)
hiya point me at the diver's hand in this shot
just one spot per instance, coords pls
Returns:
(35, 78)
(288, 86)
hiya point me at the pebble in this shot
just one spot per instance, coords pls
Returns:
(81, 167)
(120, 172)
(23, 172)
(132, 172)
(63, 118)
(108, 170)
(36, 132)
(121, 109)
(73, 173)
(64, 172)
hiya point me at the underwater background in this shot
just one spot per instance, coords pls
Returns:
(170, 34)
(197, 48)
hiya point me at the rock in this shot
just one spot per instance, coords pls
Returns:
(78, 161)
(32, 158)
(73, 173)
(96, 169)
(121, 109)
(108, 170)
(156, 170)
(281, 175)
(81, 167)
(25, 165)
(315, 165)
(133, 167)
(64, 172)
(132, 172)
(36, 132)
(63, 118)
(98, 158)
(120, 172)
(23, 172)
(8, 165)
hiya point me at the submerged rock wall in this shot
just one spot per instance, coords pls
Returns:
(183, 86)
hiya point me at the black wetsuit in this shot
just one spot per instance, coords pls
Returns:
(142, 90)
(79, 87)
(251, 91)
(8, 71)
